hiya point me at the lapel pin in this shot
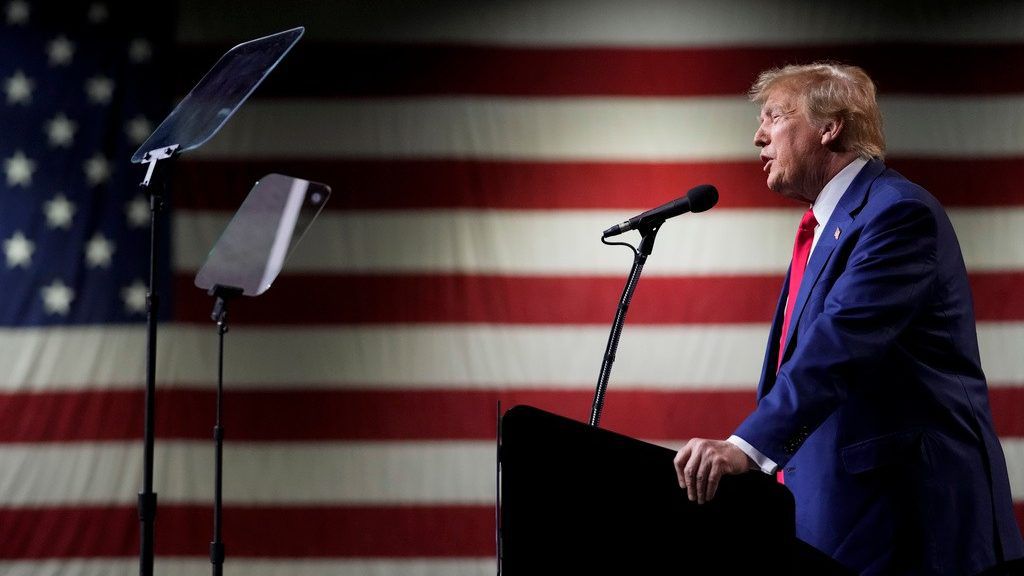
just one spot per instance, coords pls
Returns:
(837, 234)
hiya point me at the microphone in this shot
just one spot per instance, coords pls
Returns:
(698, 199)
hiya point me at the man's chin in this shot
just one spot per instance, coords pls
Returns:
(787, 192)
(779, 187)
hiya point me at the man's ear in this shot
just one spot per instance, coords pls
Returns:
(830, 131)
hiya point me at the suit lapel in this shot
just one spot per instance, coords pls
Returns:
(819, 257)
(842, 218)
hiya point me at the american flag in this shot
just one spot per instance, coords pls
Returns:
(476, 152)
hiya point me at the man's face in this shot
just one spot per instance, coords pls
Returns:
(792, 149)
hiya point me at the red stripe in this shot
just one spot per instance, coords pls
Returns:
(1007, 405)
(1018, 511)
(407, 184)
(279, 532)
(286, 532)
(395, 184)
(448, 298)
(997, 296)
(312, 415)
(325, 300)
(388, 69)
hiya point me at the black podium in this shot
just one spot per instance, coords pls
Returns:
(583, 500)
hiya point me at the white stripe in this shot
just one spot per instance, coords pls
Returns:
(292, 473)
(515, 242)
(172, 566)
(610, 22)
(1000, 345)
(395, 357)
(420, 357)
(990, 239)
(641, 129)
(584, 128)
(567, 242)
(286, 474)
(1013, 450)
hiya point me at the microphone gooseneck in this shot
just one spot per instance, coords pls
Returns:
(698, 199)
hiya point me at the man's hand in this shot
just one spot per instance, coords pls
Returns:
(702, 463)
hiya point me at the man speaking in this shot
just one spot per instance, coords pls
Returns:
(872, 403)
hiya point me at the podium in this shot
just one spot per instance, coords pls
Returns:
(582, 500)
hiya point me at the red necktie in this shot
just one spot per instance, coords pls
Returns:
(801, 251)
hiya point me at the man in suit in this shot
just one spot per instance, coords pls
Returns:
(872, 401)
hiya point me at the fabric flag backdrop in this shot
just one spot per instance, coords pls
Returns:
(476, 152)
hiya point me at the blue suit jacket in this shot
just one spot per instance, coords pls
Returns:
(879, 414)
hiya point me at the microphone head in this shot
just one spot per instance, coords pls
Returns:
(702, 197)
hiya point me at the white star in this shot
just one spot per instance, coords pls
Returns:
(57, 298)
(61, 131)
(17, 12)
(98, 251)
(98, 13)
(137, 211)
(138, 129)
(19, 88)
(97, 169)
(140, 50)
(19, 250)
(99, 89)
(60, 50)
(59, 212)
(19, 170)
(134, 297)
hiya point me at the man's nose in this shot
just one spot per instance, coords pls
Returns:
(760, 138)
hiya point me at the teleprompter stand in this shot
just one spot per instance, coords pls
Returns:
(221, 295)
(245, 261)
(195, 120)
(155, 191)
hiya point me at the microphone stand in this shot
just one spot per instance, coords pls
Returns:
(648, 233)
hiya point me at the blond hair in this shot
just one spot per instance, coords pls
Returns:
(831, 90)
